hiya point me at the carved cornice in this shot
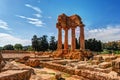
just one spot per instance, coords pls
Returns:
(67, 22)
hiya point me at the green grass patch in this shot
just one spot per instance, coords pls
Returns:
(66, 75)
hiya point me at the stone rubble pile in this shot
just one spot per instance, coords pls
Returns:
(33, 63)
(116, 65)
(87, 73)
(16, 71)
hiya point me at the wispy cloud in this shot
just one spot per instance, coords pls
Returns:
(4, 25)
(9, 39)
(38, 10)
(34, 8)
(109, 33)
(49, 17)
(37, 15)
(34, 21)
(38, 1)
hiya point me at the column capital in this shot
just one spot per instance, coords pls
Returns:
(65, 29)
(73, 28)
(58, 26)
(81, 25)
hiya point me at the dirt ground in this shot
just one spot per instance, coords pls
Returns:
(49, 74)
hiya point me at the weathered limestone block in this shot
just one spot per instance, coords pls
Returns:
(107, 70)
(91, 75)
(98, 58)
(2, 65)
(81, 66)
(95, 62)
(33, 63)
(60, 62)
(58, 76)
(15, 75)
(58, 53)
(113, 74)
(109, 58)
(77, 55)
(17, 66)
(116, 63)
(26, 58)
(23, 60)
(116, 70)
(104, 65)
(88, 54)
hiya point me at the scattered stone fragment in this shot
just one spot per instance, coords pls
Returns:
(95, 62)
(104, 65)
(33, 63)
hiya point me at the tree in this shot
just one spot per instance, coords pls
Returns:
(93, 44)
(1, 48)
(35, 43)
(111, 45)
(43, 42)
(8, 47)
(18, 47)
(77, 43)
(40, 44)
(52, 44)
(27, 48)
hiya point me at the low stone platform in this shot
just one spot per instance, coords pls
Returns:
(15, 75)
(92, 75)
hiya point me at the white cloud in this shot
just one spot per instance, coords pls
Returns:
(34, 21)
(34, 8)
(49, 17)
(9, 39)
(109, 33)
(4, 25)
(37, 15)
(38, 10)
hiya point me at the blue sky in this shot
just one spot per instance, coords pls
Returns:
(21, 19)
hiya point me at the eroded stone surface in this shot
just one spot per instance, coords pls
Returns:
(15, 75)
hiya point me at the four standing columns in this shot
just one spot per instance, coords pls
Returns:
(73, 43)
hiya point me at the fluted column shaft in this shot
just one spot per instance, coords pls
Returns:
(66, 39)
(82, 40)
(73, 43)
(59, 45)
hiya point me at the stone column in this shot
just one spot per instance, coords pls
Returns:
(82, 40)
(59, 44)
(66, 39)
(73, 43)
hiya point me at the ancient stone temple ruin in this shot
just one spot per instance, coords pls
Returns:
(66, 23)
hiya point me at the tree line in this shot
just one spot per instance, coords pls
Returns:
(16, 47)
(113, 45)
(43, 44)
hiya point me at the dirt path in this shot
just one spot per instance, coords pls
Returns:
(49, 74)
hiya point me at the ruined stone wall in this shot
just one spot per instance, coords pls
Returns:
(15, 75)
(92, 75)
(14, 51)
